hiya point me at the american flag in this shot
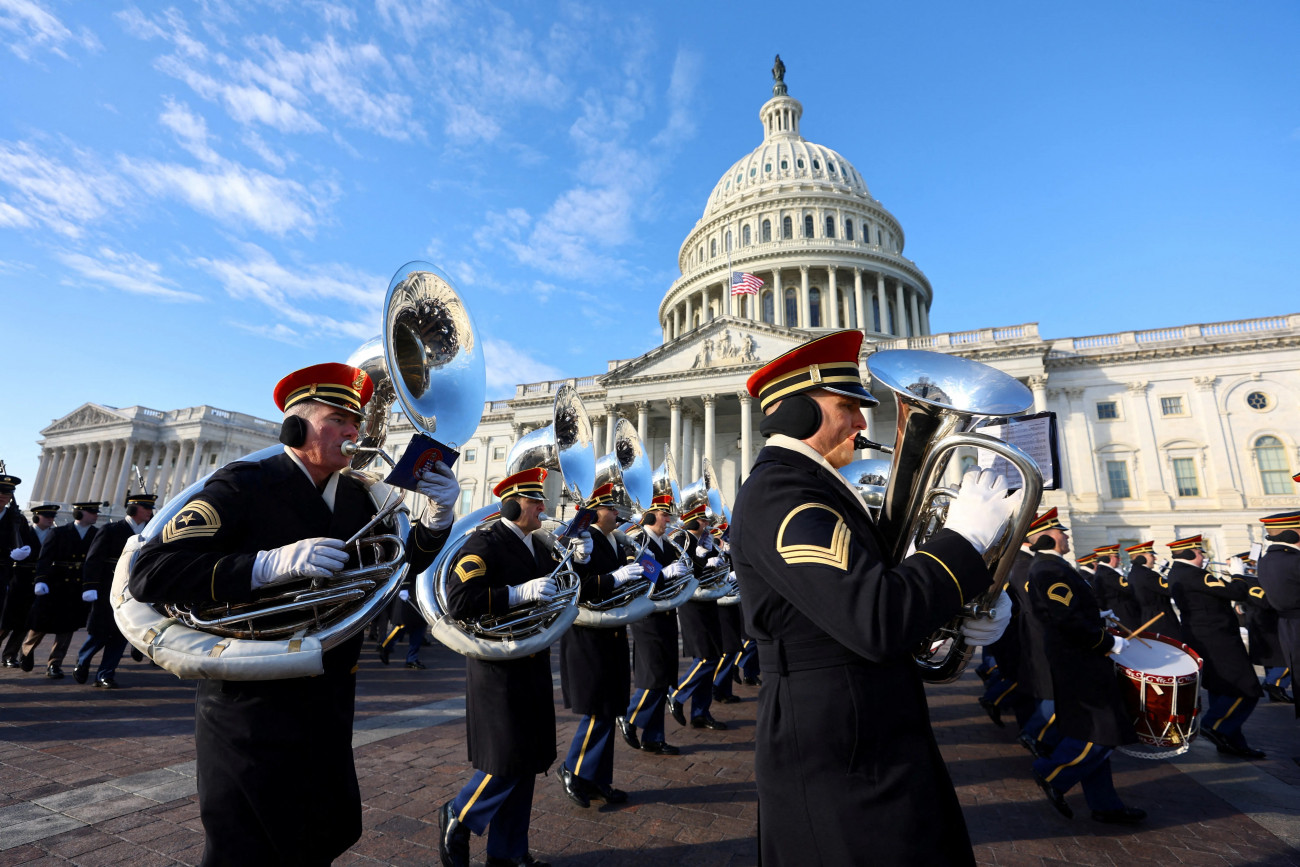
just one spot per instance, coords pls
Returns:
(745, 284)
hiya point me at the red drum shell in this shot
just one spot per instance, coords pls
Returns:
(1163, 705)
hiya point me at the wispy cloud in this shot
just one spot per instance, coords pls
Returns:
(32, 30)
(127, 272)
(278, 332)
(507, 364)
(50, 192)
(191, 130)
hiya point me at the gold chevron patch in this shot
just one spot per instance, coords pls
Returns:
(814, 540)
(197, 520)
(1123, 581)
(1061, 593)
(470, 566)
(1211, 581)
(1257, 592)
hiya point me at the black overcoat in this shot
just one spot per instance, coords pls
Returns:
(701, 630)
(733, 628)
(97, 575)
(18, 577)
(509, 705)
(595, 670)
(1211, 628)
(1112, 591)
(1089, 705)
(846, 764)
(1260, 620)
(61, 610)
(1006, 650)
(277, 784)
(1155, 597)
(654, 639)
(1279, 575)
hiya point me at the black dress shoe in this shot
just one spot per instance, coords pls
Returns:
(607, 793)
(1122, 816)
(453, 839)
(54, 671)
(660, 748)
(675, 708)
(1241, 751)
(1031, 743)
(726, 699)
(27, 662)
(1055, 798)
(984, 674)
(752, 681)
(106, 681)
(11, 662)
(384, 651)
(629, 733)
(81, 673)
(137, 655)
(524, 860)
(574, 787)
(706, 721)
(994, 712)
(419, 666)
(1277, 693)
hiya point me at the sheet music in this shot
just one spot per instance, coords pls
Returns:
(1036, 436)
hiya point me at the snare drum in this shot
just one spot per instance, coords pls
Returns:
(1160, 679)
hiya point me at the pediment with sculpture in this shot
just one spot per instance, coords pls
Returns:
(721, 344)
(84, 416)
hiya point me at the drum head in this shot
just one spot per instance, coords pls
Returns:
(1160, 655)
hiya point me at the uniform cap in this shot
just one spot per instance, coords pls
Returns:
(8, 483)
(661, 503)
(141, 499)
(602, 496)
(829, 362)
(525, 483)
(1106, 550)
(339, 385)
(1086, 560)
(1281, 521)
(87, 507)
(1186, 544)
(51, 509)
(1049, 520)
(1141, 548)
(696, 512)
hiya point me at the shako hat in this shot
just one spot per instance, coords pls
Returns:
(829, 362)
(525, 483)
(339, 385)
(1186, 544)
(1049, 520)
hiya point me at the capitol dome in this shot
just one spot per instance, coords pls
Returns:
(798, 216)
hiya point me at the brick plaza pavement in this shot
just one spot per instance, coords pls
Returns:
(91, 777)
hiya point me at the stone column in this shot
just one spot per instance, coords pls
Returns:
(861, 316)
(196, 463)
(1213, 423)
(688, 449)
(833, 293)
(611, 426)
(598, 437)
(778, 299)
(882, 303)
(75, 460)
(677, 323)
(916, 319)
(643, 420)
(710, 425)
(92, 471)
(124, 474)
(900, 310)
(106, 474)
(157, 460)
(925, 318)
(746, 426)
(59, 480)
(1153, 465)
(804, 321)
(728, 300)
(756, 306)
(687, 325)
(675, 428)
(1038, 385)
(43, 473)
(175, 485)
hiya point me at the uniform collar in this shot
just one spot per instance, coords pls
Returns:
(331, 484)
(526, 538)
(785, 441)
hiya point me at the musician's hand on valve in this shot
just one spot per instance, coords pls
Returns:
(532, 591)
(702, 550)
(979, 511)
(403, 595)
(581, 547)
(41, 588)
(1119, 645)
(630, 572)
(311, 558)
(440, 486)
(20, 554)
(984, 630)
(675, 570)
(1236, 566)
(89, 595)
(713, 562)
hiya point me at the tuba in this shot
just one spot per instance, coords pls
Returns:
(870, 478)
(705, 490)
(670, 592)
(564, 445)
(939, 400)
(427, 359)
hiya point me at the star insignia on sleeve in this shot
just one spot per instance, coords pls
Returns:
(198, 519)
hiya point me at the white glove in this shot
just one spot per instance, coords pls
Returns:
(983, 631)
(532, 591)
(41, 588)
(89, 595)
(403, 595)
(630, 572)
(310, 558)
(676, 569)
(979, 512)
(1108, 615)
(713, 562)
(581, 547)
(442, 489)
(702, 550)
(1120, 644)
(735, 582)
(20, 554)
(1236, 566)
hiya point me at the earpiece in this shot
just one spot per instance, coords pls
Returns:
(511, 510)
(798, 416)
(293, 431)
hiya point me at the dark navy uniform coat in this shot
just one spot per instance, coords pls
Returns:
(61, 610)
(1113, 592)
(847, 768)
(17, 578)
(594, 667)
(276, 780)
(1154, 597)
(1089, 705)
(654, 639)
(1007, 649)
(1279, 575)
(701, 629)
(509, 705)
(1210, 627)
(97, 574)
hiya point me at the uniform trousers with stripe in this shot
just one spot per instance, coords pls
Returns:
(591, 754)
(646, 712)
(1226, 715)
(722, 674)
(112, 645)
(502, 807)
(414, 641)
(1277, 675)
(1088, 764)
(698, 687)
(1041, 725)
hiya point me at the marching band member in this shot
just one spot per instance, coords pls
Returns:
(276, 779)
(1003, 686)
(654, 644)
(509, 704)
(20, 549)
(737, 649)
(701, 631)
(1210, 626)
(1261, 622)
(58, 606)
(838, 781)
(594, 667)
(1279, 575)
(1112, 589)
(1089, 709)
(1152, 590)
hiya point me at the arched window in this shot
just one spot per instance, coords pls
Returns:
(1274, 472)
(814, 307)
(728, 244)
(830, 226)
(465, 504)
(767, 231)
(713, 247)
(807, 226)
(791, 308)
(744, 236)
(848, 229)
(695, 319)
(787, 228)
(769, 308)
(701, 253)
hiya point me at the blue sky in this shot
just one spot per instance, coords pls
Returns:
(197, 199)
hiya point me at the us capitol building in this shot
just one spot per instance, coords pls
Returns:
(1163, 433)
